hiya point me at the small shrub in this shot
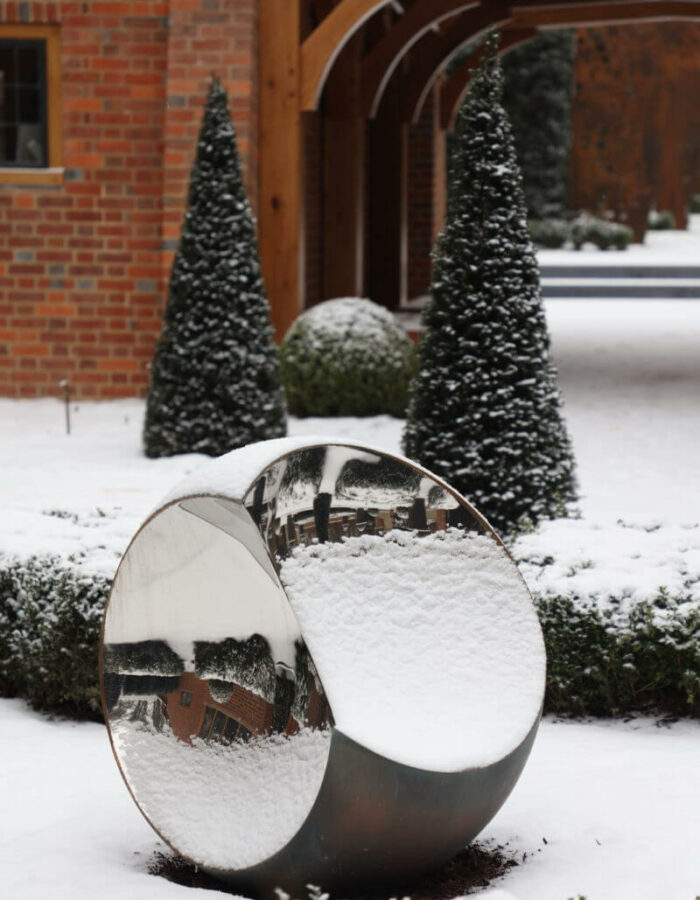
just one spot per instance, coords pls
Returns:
(661, 220)
(587, 229)
(50, 619)
(347, 357)
(695, 203)
(552, 233)
(621, 658)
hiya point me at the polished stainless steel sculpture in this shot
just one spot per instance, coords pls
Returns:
(319, 665)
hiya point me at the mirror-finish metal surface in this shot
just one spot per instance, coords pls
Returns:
(257, 735)
(218, 718)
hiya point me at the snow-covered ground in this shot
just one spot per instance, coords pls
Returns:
(616, 802)
(630, 376)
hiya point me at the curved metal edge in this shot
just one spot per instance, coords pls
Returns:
(379, 822)
(100, 662)
(327, 442)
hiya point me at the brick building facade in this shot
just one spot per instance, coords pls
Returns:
(84, 256)
(87, 240)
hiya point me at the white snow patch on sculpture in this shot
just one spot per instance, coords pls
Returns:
(428, 646)
(224, 805)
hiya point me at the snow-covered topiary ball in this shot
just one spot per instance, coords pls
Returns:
(347, 357)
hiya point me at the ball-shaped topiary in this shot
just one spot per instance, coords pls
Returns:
(347, 357)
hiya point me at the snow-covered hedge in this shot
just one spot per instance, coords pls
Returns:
(587, 229)
(620, 608)
(661, 220)
(347, 357)
(50, 619)
(551, 233)
(604, 658)
(584, 229)
(606, 662)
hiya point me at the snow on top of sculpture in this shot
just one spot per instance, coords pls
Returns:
(429, 646)
(302, 621)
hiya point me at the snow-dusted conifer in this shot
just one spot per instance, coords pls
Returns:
(215, 381)
(484, 411)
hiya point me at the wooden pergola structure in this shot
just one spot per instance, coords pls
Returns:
(367, 67)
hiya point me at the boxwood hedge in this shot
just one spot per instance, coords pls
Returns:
(609, 660)
(50, 619)
(347, 357)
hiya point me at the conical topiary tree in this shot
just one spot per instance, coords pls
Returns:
(484, 411)
(215, 380)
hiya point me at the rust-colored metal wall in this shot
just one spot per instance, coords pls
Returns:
(636, 119)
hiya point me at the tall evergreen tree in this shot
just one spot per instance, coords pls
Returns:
(484, 411)
(537, 96)
(215, 380)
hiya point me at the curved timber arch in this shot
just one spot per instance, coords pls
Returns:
(322, 46)
(433, 58)
(455, 88)
(573, 15)
(292, 76)
(616, 12)
(381, 62)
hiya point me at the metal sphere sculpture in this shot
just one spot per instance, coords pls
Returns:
(319, 664)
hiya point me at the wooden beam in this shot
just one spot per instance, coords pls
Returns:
(616, 12)
(344, 170)
(433, 55)
(280, 213)
(382, 61)
(455, 88)
(321, 47)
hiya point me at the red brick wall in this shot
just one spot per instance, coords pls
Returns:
(84, 264)
(247, 708)
(81, 271)
(207, 37)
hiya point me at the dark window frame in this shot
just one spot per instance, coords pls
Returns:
(52, 172)
(41, 84)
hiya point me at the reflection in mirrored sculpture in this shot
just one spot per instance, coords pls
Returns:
(323, 639)
(204, 671)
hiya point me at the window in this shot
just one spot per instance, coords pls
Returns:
(206, 722)
(218, 727)
(30, 144)
(23, 103)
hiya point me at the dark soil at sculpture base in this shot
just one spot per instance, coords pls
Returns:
(477, 866)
